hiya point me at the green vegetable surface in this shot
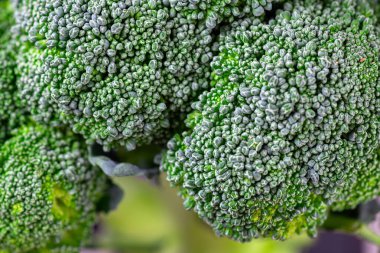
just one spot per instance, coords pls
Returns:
(269, 109)
(290, 127)
(48, 191)
(10, 104)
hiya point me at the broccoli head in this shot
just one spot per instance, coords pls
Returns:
(290, 128)
(48, 191)
(119, 71)
(112, 70)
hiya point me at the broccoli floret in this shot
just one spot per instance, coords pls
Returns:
(11, 112)
(113, 70)
(48, 191)
(119, 71)
(290, 127)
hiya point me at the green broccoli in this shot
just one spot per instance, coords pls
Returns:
(118, 72)
(283, 109)
(11, 112)
(290, 128)
(48, 191)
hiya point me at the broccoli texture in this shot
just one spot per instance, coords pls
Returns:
(362, 185)
(10, 106)
(290, 128)
(119, 71)
(113, 70)
(48, 191)
(282, 99)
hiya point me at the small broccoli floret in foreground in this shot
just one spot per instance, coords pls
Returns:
(290, 128)
(48, 192)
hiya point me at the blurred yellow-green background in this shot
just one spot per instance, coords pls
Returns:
(151, 219)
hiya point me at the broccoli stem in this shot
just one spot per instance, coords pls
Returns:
(341, 223)
(368, 234)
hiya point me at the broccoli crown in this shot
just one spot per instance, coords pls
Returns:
(290, 126)
(117, 71)
(48, 191)
(10, 106)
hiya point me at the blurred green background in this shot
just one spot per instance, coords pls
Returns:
(151, 219)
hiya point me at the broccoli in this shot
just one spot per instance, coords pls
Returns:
(48, 191)
(11, 112)
(118, 72)
(290, 127)
(282, 99)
